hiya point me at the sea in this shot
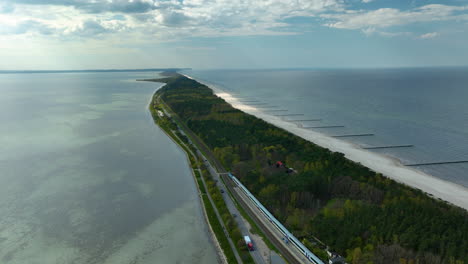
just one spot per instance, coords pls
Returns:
(87, 177)
(422, 113)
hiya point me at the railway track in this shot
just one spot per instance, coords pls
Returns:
(279, 244)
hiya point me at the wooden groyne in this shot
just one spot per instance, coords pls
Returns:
(290, 115)
(249, 101)
(324, 126)
(277, 110)
(354, 135)
(437, 163)
(254, 104)
(390, 146)
(269, 106)
(303, 120)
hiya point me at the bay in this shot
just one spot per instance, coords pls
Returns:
(86, 176)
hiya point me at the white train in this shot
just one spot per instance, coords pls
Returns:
(290, 237)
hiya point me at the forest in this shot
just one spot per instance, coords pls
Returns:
(322, 197)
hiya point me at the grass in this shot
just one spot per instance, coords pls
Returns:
(254, 226)
(172, 127)
(166, 124)
(218, 230)
(215, 193)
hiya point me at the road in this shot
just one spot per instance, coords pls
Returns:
(241, 223)
(290, 253)
(174, 116)
(218, 216)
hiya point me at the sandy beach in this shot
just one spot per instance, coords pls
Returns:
(389, 167)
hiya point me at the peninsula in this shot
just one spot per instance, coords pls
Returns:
(318, 194)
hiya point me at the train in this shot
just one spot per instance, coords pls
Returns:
(289, 237)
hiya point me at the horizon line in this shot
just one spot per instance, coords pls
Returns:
(233, 68)
(94, 70)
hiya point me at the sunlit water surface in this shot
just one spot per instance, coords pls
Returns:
(86, 176)
(425, 107)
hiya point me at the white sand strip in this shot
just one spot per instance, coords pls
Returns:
(387, 166)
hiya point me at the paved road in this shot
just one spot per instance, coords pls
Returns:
(169, 112)
(290, 253)
(231, 243)
(256, 254)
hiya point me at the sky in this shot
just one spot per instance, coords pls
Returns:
(207, 34)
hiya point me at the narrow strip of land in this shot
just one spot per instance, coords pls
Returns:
(325, 194)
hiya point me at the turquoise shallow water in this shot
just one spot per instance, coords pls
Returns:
(425, 107)
(86, 176)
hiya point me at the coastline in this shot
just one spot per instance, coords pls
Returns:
(387, 166)
(221, 256)
(212, 236)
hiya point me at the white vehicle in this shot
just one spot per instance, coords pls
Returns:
(290, 237)
(248, 243)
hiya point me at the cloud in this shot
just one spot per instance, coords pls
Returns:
(429, 35)
(97, 6)
(6, 8)
(90, 28)
(373, 31)
(172, 19)
(388, 17)
(367, 1)
(26, 26)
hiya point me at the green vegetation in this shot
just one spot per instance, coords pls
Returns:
(360, 214)
(171, 128)
(228, 219)
(254, 227)
(218, 230)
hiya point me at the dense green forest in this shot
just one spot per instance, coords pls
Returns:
(360, 214)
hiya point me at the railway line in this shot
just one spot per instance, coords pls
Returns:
(291, 255)
(279, 244)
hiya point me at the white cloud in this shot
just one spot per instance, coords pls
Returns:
(373, 31)
(429, 35)
(169, 18)
(165, 20)
(367, 1)
(387, 17)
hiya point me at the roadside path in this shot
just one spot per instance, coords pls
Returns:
(259, 245)
(218, 216)
(290, 253)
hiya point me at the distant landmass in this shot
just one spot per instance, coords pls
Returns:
(94, 70)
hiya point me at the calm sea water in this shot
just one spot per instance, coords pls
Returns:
(427, 108)
(86, 176)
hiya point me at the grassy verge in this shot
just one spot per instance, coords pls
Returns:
(214, 192)
(254, 227)
(218, 230)
(172, 129)
(228, 219)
